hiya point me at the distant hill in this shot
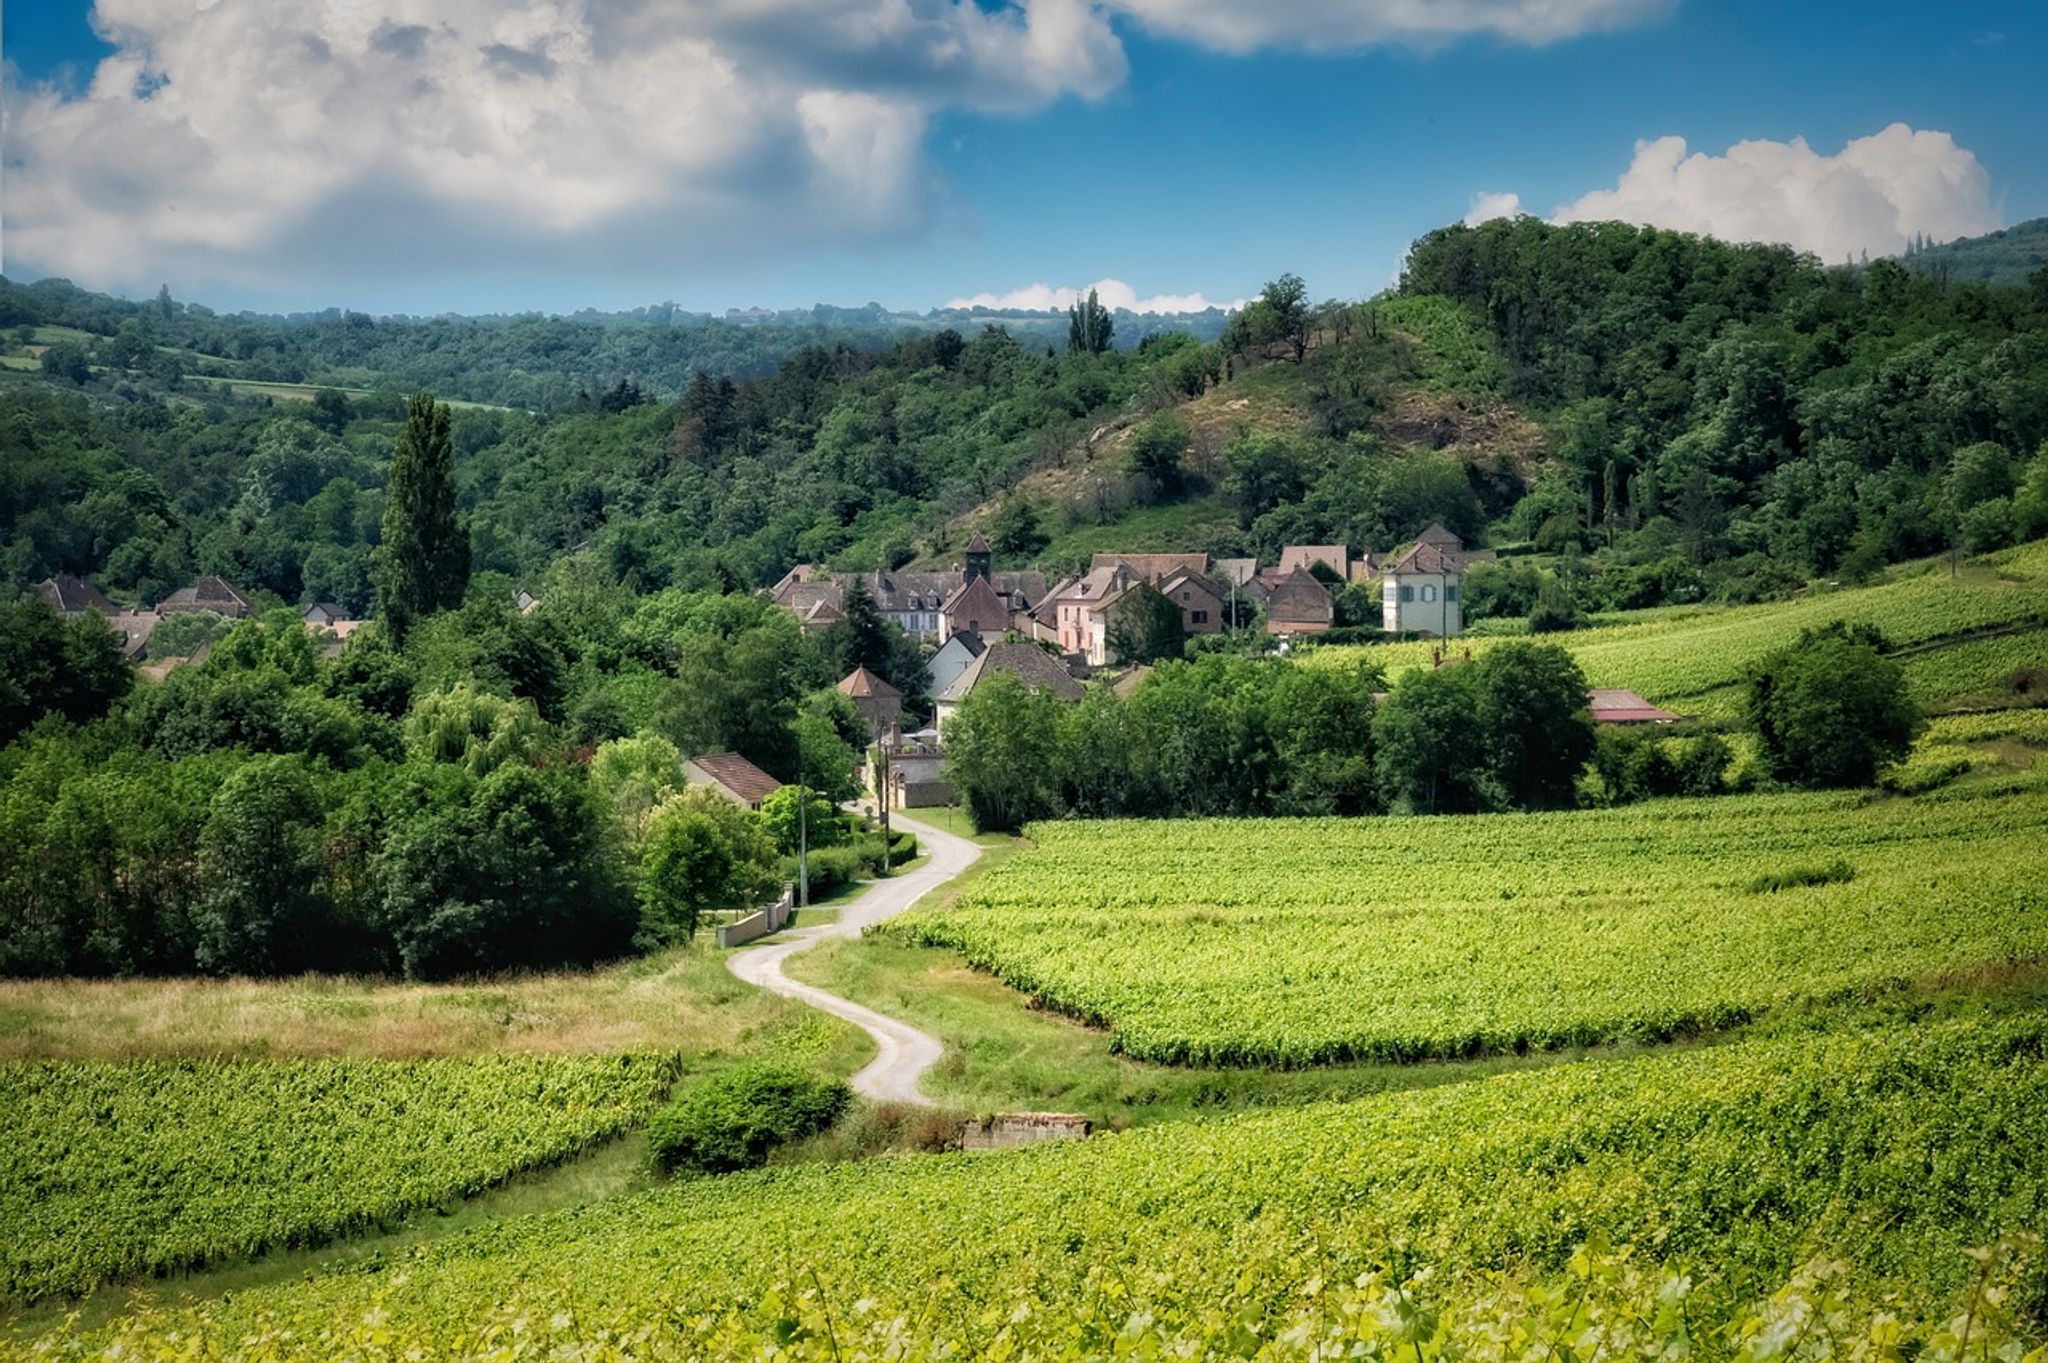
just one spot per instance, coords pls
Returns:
(533, 361)
(2006, 259)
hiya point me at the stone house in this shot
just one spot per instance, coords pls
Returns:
(1203, 608)
(879, 703)
(1299, 604)
(921, 603)
(72, 597)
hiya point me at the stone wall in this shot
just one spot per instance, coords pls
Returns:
(1007, 1130)
(759, 923)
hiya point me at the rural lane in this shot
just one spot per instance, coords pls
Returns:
(903, 1052)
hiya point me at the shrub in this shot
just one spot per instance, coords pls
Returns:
(902, 848)
(1831, 711)
(734, 1120)
(831, 868)
(1836, 872)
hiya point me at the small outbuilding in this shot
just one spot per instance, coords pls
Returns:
(732, 776)
(1614, 705)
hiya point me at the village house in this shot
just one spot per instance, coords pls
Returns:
(209, 593)
(1337, 558)
(1422, 591)
(72, 597)
(732, 776)
(952, 658)
(925, 605)
(879, 703)
(1080, 614)
(1028, 663)
(1299, 604)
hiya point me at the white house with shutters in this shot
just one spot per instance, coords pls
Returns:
(1422, 592)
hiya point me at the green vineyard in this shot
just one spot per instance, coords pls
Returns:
(1316, 941)
(1693, 659)
(121, 1170)
(1895, 1149)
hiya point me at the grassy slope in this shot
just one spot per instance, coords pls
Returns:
(682, 1000)
(1693, 659)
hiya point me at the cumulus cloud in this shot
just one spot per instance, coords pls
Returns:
(1871, 196)
(257, 144)
(1331, 25)
(1488, 206)
(1112, 293)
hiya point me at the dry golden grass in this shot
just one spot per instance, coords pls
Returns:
(682, 999)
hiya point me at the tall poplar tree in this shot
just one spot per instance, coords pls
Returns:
(422, 566)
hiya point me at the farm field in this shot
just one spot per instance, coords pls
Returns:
(149, 1168)
(1310, 942)
(1692, 660)
(1744, 1159)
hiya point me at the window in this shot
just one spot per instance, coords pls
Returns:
(1200, 617)
(1407, 593)
(1451, 592)
(1429, 591)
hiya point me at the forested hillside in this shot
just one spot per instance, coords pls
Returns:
(1652, 417)
(2009, 258)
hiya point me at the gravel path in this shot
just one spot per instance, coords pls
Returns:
(903, 1052)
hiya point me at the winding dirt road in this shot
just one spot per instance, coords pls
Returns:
(903, 1052)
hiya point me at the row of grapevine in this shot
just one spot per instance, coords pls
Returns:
(1244, 1236)
(1689, 658)
(121, 1170)
(1316, 941)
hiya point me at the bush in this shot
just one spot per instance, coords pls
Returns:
(832, 868)
(734, 1120)
(1831, 711)
(902, 848)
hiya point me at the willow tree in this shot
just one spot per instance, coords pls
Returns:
(422, 565)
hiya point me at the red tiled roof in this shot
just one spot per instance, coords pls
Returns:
(862, 684)
(1613, 705)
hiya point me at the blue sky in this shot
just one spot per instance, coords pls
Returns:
(485, 156)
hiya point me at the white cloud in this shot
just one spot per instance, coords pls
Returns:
(1488, 206)
(1112, 293)
(1330, 25)
(1870, 196)
(258, 144)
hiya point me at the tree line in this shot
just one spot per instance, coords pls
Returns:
(1235, 736)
